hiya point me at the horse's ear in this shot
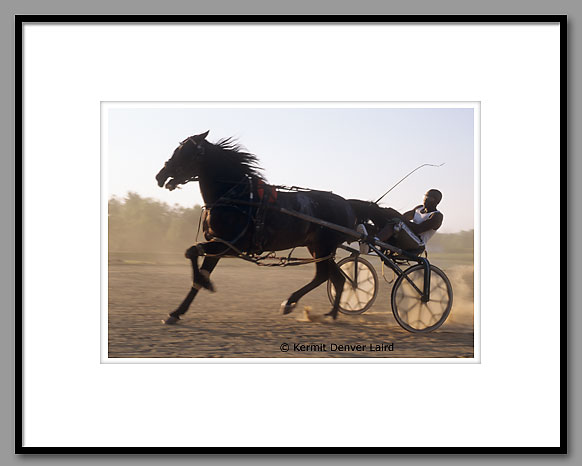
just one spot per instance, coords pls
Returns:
(201, 137)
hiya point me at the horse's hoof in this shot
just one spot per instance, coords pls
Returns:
(171, 320)
(286, 308)
(331, 314)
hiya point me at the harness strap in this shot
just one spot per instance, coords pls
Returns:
(202, 215)
(259, 220)
(225, 200)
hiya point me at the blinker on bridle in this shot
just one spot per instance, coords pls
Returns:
(196, 144)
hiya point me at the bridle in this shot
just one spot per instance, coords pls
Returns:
(179, 170)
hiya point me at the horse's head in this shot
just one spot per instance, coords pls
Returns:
(184, 165)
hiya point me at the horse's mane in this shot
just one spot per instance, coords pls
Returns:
(232, 156)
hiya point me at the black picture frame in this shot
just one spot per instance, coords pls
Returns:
(21, 20)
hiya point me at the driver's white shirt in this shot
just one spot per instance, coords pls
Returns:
(420, 217)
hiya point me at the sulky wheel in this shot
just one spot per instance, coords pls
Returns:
(410, 311)
(357, 296)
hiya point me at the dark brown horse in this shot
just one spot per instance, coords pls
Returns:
(241, 215)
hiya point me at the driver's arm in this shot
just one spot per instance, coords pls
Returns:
(408, 216)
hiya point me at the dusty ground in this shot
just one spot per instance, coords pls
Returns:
(243, 320)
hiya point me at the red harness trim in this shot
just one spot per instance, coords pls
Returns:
(266, 191)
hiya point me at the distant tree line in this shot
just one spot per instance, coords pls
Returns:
(138, 224)
(461, 242)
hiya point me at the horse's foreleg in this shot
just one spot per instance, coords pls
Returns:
(200, 276)
(321, 275)
(207, 267)
(212, 251)
(182, 308)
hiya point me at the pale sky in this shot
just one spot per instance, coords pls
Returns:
(354, 152)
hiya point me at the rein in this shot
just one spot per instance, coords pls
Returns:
(260, 260)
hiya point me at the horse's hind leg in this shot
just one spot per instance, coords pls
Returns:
(200, 276)
(338, 280)
(321, 276)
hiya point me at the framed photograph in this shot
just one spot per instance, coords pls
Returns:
(262, 219)
(297, 234)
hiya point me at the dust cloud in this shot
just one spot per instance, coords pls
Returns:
(462, 280)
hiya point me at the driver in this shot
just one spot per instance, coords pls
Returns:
(414, 228)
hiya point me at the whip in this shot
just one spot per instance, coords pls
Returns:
(417, 168)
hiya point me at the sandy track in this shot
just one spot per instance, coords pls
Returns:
(242, 319)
